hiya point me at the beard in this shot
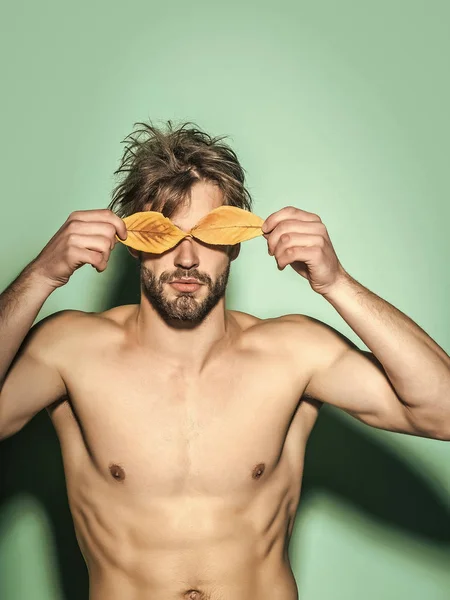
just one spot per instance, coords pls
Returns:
(185, 309)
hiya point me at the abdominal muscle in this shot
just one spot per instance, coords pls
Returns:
(186, 545)
(150, 555)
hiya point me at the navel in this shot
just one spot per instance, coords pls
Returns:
(194, 595)
(117, 472)
(258, 470)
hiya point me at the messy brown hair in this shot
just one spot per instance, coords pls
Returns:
(159, 167)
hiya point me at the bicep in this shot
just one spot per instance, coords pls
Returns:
(32, 382)
(354, 380)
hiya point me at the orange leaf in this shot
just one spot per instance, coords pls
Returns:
(227, 225)
(151, 231)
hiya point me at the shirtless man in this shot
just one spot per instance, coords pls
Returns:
(183, 424)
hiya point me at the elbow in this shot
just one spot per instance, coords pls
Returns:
(442, 434)
(439, 431)
(433, 424)
(9, 429)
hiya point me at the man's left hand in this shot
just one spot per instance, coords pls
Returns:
(299, 238)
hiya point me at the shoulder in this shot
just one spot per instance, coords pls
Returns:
(62, 322)
(282, 325)
(319, 339)
(305, 339)
(52, 336)
(43, 335)
(274, 335)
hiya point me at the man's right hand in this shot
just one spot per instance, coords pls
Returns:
(88, 236)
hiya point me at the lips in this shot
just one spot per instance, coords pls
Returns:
(186, 285)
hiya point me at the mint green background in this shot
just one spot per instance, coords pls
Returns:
(339, 108)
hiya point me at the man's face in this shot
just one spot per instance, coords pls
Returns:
(190, 258)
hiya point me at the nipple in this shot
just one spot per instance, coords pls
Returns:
(117, 472)
(258, 470)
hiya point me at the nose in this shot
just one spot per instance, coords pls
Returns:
(186, 254)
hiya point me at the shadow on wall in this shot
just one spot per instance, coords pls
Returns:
(340, 460)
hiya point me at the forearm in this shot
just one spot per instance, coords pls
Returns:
(416, 365)
(20, 304)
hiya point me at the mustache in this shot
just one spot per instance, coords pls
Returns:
(166, 277)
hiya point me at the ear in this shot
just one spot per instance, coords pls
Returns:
(134, 253)
(234, 252)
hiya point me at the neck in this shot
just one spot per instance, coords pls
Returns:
(183, 345)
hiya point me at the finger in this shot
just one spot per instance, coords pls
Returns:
(298, 253)
(297, 239)
(98, 243)
(101, 214)
(94, 228)
(293, 226)
(288, 212)
(91, 257)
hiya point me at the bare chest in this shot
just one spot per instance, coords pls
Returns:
(167, 433)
